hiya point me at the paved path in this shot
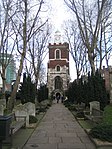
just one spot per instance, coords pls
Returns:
(59, 130)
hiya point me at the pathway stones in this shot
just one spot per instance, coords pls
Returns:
(59, 130)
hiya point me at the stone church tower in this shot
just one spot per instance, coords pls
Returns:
(58, 67)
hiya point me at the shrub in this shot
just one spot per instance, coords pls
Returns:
(67, 103)
(27, 89)
(6, 111)
(71, 108)
(32, 119)
(80, 115)
(102, 131)
(49, 104)
(70, 105)
(107, 117)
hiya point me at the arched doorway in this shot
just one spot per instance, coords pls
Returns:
(58, 95)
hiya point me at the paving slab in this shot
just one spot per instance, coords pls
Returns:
(59, 130)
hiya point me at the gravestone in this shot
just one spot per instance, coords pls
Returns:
(94, 104)
(25, 110)
(30, 108)
(21, 111)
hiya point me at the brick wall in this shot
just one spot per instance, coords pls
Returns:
(63, 62)
(54, 63)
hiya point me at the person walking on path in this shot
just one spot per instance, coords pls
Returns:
(62, 99)
(58, 98)
(59, 130)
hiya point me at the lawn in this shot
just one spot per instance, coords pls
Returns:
(86, 124)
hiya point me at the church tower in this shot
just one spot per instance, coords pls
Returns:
(58, 67)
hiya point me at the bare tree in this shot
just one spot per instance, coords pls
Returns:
(77, 49)
(25, 25)
(104, 47)
(38, 50)
(7, 43)
(89, 15)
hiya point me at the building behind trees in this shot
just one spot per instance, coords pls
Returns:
(10, 74)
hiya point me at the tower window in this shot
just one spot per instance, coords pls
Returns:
(58, 82)
(58, 68)
(57, 54)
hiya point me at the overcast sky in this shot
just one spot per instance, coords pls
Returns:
(58, 13)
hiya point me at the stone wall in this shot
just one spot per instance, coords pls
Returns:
(52, 73)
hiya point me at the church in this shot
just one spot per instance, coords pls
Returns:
(58, 76)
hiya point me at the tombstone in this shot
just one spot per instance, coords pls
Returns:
(1, 110)
(25, 110)
(94, 104)
(21, 111)
(31, 110)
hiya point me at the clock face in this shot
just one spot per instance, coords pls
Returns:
(57, 38)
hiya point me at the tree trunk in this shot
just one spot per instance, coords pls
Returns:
(4, 82)
(13, 94)
(91, 60)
